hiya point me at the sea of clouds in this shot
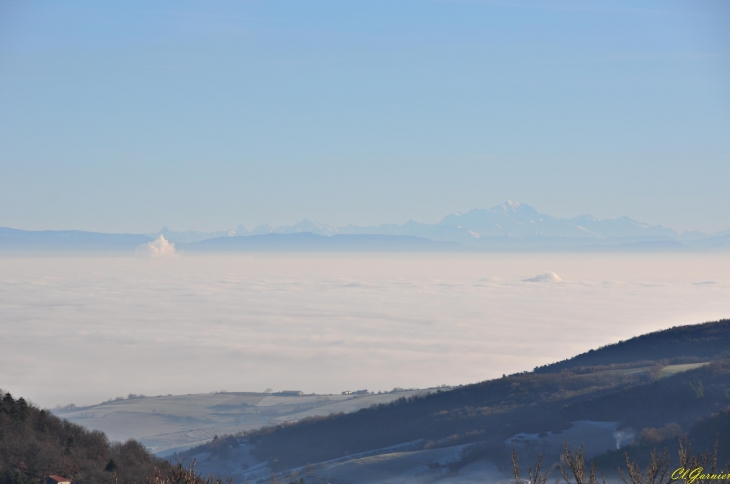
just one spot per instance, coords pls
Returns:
(85, 329)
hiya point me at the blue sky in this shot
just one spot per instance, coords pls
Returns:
(127, 116)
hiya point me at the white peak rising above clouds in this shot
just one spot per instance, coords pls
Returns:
(546, 277)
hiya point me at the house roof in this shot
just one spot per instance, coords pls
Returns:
(59, 479)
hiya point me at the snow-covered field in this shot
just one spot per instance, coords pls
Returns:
(169, 423)
(85, 329)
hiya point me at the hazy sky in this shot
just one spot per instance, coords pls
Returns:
(127, 116)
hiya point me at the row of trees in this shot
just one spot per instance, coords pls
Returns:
(695, 468)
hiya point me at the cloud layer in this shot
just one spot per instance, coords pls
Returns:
(159, 247)
(83, 330)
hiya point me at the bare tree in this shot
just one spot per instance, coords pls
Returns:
(179, 474)
(573, 466)
(657, 472)
(535, 476)
(702, 464)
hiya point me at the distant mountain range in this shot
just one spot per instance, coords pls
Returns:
(309, 242)
(510, 219)
(509, 226)
(67, 240)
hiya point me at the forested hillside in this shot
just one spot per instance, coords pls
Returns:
(35, 443)
(697, 342)
(492, 411)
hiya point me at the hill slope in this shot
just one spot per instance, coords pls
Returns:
(698, 342)
(165, 424)
(619, 389)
